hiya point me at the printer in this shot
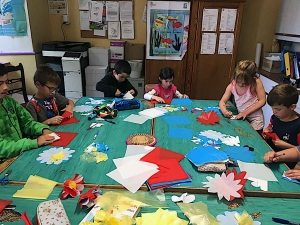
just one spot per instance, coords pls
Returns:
(69, 60)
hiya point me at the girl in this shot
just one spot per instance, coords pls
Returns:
(165, 89)
(249, 95)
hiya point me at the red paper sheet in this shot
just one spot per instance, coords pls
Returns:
(167, 101)
(66, 121)
(159, 153)
(65, 139)
(4, 203)
(273, 136)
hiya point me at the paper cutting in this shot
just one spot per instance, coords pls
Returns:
(83, 108)
(240, 153)
(88, 199)
(210, 117)
(185, 198)
(95, 102)
(55, 155)
(273, 136)
(72, 187)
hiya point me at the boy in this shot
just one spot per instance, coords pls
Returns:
(284, 122)
(47, 105)
(16, 121)
(116, 83)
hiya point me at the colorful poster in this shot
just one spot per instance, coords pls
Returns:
(12, 18)
(58, 6)
(167, 29)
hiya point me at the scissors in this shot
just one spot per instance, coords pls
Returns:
(4, 180)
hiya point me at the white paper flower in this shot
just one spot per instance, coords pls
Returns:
(228, 219)
(83, 108)
(231, 140)
(95, 102)
(55, 155)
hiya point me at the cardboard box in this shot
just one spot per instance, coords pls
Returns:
(117, 49)
(270, 65)
(134, 51)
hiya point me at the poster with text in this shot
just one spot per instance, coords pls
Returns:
(167, 29)
(12, 18)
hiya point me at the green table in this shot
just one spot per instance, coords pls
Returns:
(283, 208)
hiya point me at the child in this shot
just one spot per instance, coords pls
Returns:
(284, 122)
(115, 84)
(15, 123)
(165, 89)
(288, 155)
(249, 95)
(47, 105)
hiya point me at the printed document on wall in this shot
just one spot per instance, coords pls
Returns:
(210, 19)
(228, 18)
(112, 11)
(96, 10)
(126, 11)
(55, 7)
(226, 41)
(84, 4)
(113, 30)
(208, 45)
(127, 29)
(84, 20)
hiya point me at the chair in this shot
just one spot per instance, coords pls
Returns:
(16, 83)
(149, 87)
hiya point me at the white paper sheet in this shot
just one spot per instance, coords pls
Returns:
(84, 20)
(83, 4)
(262, 184)
(208, 45)
(144, 16)
(134, 168)
(122, 161)
(228, 18)
(226, 41)
(151, 113)
(113, 30)
(136, 119)
(56, 137)
(137, 150)
(112, 11)
(127, 29)
(96, 10)
(258, 171)
(209, 19)
(128, 96)
(101, 33)
(126, 10)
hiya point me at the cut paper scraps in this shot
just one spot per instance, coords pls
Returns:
(95, 102)
(240, 153)
(226, 139)
(55, 155)
(184, 133)
(205, 141)
(65, 138)
(88, 199)
(169, 108)
(181, 101)
(228, 186)
(214, 109)
(72, 187)
(36, 188)
(83, 108)
(56, 137)
(234, 218)
(185, 198)
(128, 96)
(262, 184)
(175, 120)
(210, 117)
(241, 131)
(167, 101)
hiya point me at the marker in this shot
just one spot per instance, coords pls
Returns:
(96, 134)
(281, 155)
(90, 127)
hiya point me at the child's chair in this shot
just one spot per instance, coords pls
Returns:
(149, 87)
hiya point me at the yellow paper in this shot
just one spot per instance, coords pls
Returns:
(57, 156)
(100, 156)
(36, 188)
(244, 219)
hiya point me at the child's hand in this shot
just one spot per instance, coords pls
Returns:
(45, 140)
(241, 115)
(293, 174)
(55, 120)
(227, 113)
(132, 92)
(158, 99)
(271, 157)
(118, 92)
(185, 96)
(279, 143)
(69, 109)
(47, 131)
(267, 130)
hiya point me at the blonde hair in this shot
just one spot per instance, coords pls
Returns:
(245, 71)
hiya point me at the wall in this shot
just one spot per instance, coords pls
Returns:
(73, 30)
(258, 25)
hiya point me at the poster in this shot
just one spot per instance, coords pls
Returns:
(12, 18)
(228, 18)
(58, 6)
(226, 41)
(167, 29)
(102, 23)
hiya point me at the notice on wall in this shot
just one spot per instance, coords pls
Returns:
(208, 45)
(84, 20)
(83, 4)
(210, 19)
(58, 7)
(127, 29)
(112, 11)
(96, 10)
(226, 41)
(113, 30)
(228, 18)
(126, 11)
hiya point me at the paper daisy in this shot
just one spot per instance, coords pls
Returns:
(55, 155)
(229, 218)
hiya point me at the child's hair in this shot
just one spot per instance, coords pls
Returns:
(46, 74)
(283, 94)
(122, 66)
(245, 71)
(166, 73)
(3, 70)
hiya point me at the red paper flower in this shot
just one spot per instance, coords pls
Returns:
(238, 176)
(72, 187)
(208, 118)
(88, 199)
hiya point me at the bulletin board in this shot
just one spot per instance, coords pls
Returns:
(90, 33)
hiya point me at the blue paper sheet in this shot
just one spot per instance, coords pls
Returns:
(174, 120)
(205, 154)
(184, 133)
(181, 101)
(215, 109)
(240, 153)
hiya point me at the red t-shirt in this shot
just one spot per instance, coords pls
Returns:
(165, 93)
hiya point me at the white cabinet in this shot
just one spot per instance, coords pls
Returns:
(139, 85)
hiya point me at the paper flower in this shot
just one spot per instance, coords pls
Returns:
(72, 187)
(205, 141)
(210, 117)
(228, 186)
(228, 218)
(83, 108)
(55, 155)
(88, 199)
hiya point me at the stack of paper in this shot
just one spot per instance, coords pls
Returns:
(152, 113)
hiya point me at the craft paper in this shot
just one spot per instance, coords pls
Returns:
(95, 125)
(56, 137)
(228, 218)
(83, 108)
(137, 149)
(240, 153)
(185, 198)
(159, 153)
(206, 154)
(95, 102)
(205, 141)
(65, 139)
(228, 186)
(134, 168)
(208, 118)
(4, 203)
(151, 113)
(167, 101)
(181, 101)
(262, 184)
(136, 119)
(55, 155)
(174, 120)
(68, 121)
(183, 133)
(67, 115)
(134, 158)
(212, 134)
(273, 136)
(231, 140)
(258, 171)
(214, 109)
(128, 96)
(289, 179)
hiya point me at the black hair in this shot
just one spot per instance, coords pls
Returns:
(122, 66)
(3, 70)
(46, 74)
(283, 94)
(166, 73)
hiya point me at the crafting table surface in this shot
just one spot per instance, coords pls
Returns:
(277, 207)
